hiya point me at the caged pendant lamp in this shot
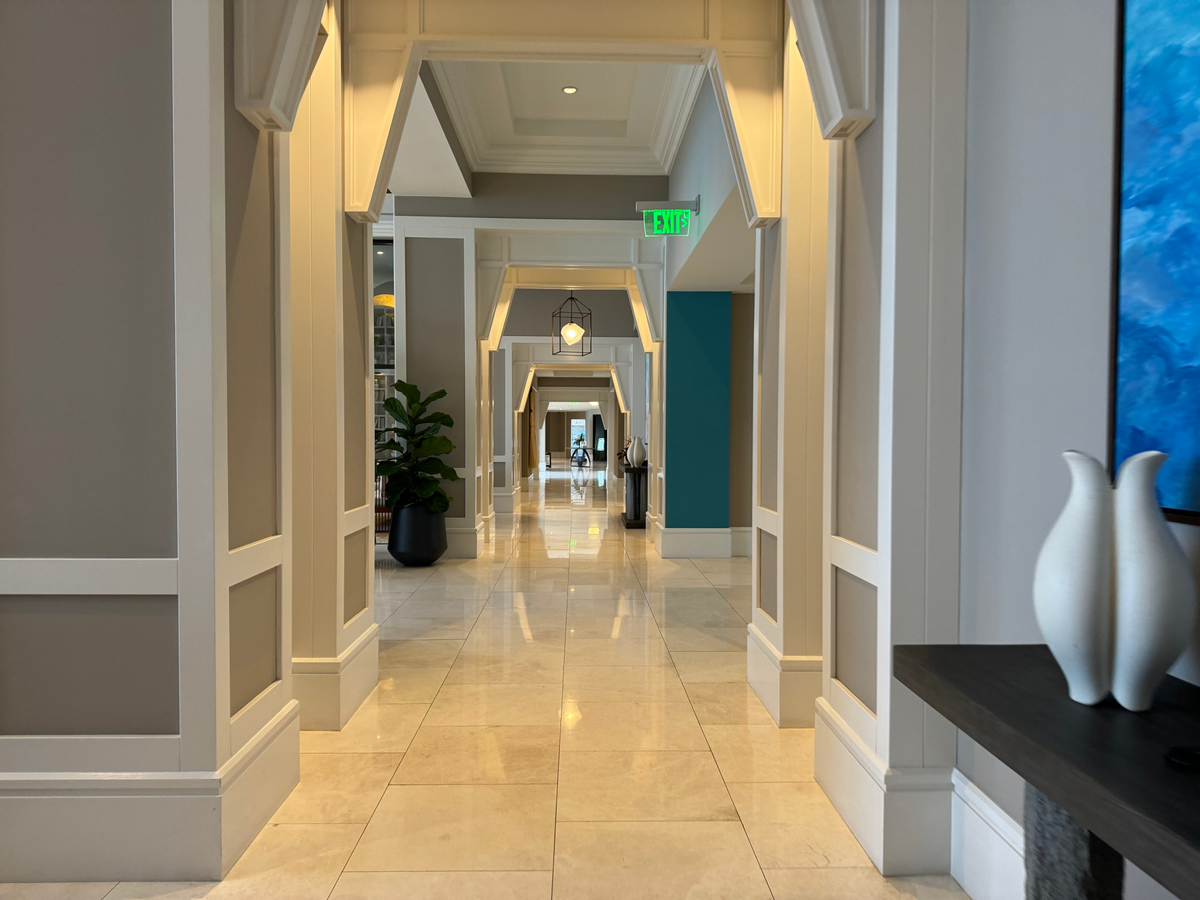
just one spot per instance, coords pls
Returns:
(571, 329)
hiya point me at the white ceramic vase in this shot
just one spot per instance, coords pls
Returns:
(637, 453)
(1155, 595)
(1072, 582)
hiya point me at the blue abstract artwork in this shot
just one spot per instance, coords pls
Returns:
(1157, 378)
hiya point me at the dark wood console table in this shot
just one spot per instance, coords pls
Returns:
(1102, 766)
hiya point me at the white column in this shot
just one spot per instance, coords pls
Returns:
(783, 662)
(335, 646)
(887, 765)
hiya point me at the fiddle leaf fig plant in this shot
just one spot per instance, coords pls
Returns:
(415, 473)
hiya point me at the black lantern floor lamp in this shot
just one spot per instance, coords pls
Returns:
(571, 329)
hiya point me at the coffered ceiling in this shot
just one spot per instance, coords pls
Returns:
(622, 119)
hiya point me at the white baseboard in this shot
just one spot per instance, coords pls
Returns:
(147, 826)
(900, 816)
(788, 686)
(987, 847)
(331, 689)
(692, 543)
(464, 541)
(506, 500)
(741, 540)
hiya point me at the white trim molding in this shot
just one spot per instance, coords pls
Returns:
(741, 540)
(331, 689)
(900, 816)
(692, 543)
(148, 825)
(788, 686)
(987, 846)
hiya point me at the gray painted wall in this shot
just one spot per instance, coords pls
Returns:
(505, 195)
(434, 317)
(87, 383)
(250, 321)
(89, 665)
(531, 309)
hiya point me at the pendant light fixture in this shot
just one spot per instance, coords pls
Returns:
(571, 329)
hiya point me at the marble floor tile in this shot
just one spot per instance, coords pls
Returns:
(452, 591)
(611, 627)
(399, 628)
(496, 704)
(504, 636)
(443, 886)
(512, 665)
(685, 639)
(605, 592)
(606, 652)
(407, 685)
(481, 754)
(710, 666)
(631, 726)
(159, 890)
(713, 612)
(337, 788)
(528, 600)
(523, 616)
(374, 728)
(290, 862)
(656, 861)
(417, 654)
(727, 703)
(479, 827)
(440, 609)
(863, 883)
(762, 753)
(623, 605)
(623, 684)
(740, 599)
(73, 890)
(645, 785)
(795, 826)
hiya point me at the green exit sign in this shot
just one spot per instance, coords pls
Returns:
(667, 222)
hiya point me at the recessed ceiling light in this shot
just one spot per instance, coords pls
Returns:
(379, 252)
(570, 89)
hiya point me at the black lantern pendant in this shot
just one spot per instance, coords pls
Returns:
(571, 329)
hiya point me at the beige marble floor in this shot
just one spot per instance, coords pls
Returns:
(565, 717)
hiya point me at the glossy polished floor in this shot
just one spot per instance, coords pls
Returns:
(565, 717)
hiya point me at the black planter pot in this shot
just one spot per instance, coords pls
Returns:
(417, 537)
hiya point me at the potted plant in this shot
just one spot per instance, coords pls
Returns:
(415, 473)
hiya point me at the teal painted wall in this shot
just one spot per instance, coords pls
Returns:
(696, 463)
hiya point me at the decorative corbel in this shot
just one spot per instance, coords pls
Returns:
(275, 45)
(837, 43)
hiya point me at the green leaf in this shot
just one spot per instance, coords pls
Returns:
(433, 445)
(396, 408)
(437, 418)
(410, 391)
(448, 473)
(438, 503)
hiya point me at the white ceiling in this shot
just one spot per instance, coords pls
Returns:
(425, 164)
(624, 119)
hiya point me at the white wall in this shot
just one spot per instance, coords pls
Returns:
(1037, 288)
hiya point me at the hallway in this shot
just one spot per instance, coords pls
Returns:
(565, 716)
